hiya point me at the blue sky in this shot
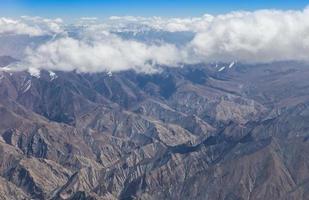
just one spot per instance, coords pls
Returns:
(70, 9)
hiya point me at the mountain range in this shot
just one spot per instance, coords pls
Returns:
(203, 131)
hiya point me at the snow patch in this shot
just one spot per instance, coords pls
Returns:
(221, 69)
(110, 74)
(232, 64)
(26, 86)
(52, 75)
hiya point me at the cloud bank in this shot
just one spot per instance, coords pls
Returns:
(250, 37)
(110, 53)
(261, 36)
(32, 26)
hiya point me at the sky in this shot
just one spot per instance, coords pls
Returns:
(72, 9)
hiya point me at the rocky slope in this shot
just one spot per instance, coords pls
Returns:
(186, 133)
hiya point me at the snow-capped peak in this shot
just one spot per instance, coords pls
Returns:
(109, 73)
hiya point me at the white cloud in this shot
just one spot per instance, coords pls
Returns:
(10, 26)
(32, 26)
(48, 26)
(105, 54)
(260, 36)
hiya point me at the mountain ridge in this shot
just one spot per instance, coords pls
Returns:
(190, 132)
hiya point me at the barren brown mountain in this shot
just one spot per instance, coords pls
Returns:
(185, 133)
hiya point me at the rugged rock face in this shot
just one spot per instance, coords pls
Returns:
(189, 133)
